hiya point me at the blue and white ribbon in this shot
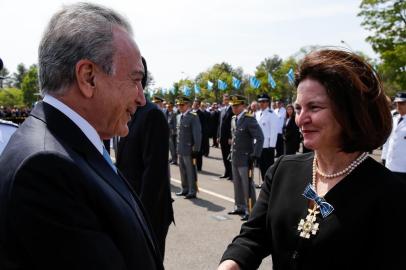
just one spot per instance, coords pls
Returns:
(325, 207)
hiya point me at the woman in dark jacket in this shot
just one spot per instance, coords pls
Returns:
(335, 208)
(291, 133)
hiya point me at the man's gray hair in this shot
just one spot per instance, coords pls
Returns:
(78, 31)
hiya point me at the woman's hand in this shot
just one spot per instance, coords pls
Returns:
(228, 265)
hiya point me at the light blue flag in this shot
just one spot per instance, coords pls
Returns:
(236, 83)
(291, 76)
(221, 85)
(187, 90)
(254, 82)
(163, 90)
(172, 90)
(197, 88)
(271, 81)
(209, 85)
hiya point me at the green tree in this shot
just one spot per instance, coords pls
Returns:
(30, 86)
(222, 71)
(268, 65)
(10, 97)
(19, 76)
(386, 19)
(4, 77)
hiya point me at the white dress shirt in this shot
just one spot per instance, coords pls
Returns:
(84, 126)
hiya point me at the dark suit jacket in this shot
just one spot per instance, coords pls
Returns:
(291, 137)
(366, 230)
(143, 159)
(225, 125)
(214, 121)
(63, 207)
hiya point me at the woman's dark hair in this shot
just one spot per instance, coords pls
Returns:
(293, 111)
(357, 96)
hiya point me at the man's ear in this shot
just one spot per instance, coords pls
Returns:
(85, 76)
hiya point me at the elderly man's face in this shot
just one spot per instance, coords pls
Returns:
(119, 95)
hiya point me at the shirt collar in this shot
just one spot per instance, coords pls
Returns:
(239, 116)
(84, 126)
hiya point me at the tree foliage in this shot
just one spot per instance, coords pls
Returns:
(30, 86)
(19, 76)
(386, 19)
(11, 97)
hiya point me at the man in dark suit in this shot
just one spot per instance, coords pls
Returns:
(214, 121)
(143, 159)
(204, 130)
(225, 135)
(171, 116)
(63, 204)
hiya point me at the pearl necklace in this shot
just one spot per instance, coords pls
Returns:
(345, 171)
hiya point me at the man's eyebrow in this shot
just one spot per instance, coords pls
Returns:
(137, 73)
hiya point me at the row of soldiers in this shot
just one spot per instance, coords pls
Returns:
(244, 138)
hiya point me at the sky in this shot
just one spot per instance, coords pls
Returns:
(181, 38)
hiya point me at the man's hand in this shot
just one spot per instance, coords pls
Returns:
(228, 265)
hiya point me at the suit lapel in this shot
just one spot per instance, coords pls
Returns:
(71, 135)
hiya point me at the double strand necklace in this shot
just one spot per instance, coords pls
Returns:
(308, 226)
(346, 171)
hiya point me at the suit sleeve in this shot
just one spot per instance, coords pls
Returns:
(252, 244)
(197, 133)
(155, 159)
(256, 133)
(49, 202)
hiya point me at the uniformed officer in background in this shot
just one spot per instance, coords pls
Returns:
(246, 145)
(269, 123)
(171, 117)
(188, 145)
(7, 128)
(394, 150)
(159, 101)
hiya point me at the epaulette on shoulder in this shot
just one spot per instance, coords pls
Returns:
(195, 114)
(249, 115)
(8, 123)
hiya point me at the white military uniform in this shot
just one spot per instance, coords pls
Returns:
(281, 112)
(6, 130)
(269, 123)
(394, 150)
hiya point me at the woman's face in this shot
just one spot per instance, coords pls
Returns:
(289, 110)
(314, 116)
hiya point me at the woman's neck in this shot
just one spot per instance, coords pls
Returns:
(333, 161)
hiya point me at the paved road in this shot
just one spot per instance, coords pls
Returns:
(203, 229)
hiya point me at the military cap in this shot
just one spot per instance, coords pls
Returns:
(182, 100)
(400, 97)
(237, 100)
(156, 99)
(263, 97)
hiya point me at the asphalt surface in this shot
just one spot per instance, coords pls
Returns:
(203, 229)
